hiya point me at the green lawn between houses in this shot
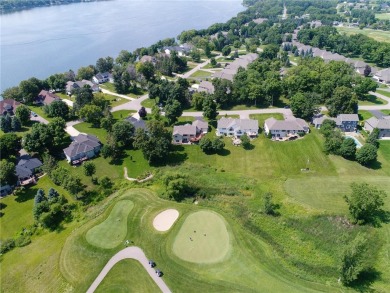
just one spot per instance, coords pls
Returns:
(380, 36)
(269, 253)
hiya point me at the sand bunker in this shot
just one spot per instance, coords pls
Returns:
(164, 220)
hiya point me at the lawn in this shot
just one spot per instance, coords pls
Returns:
(136, 279)
(364, 115)
(262, 117)
(381, 36)
(148, 103)
(385, 16)
(200, 74)
(382, 92)
(372, 100)
(112, 231)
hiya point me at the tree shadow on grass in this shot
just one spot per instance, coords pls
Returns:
(26, 194)
(375, 165)
(365, 280)
(249, 147)
(223, 153)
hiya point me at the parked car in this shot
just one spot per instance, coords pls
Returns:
(159, 273)
(152, 263)
(34, 114)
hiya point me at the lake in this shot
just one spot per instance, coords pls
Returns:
(48, 40)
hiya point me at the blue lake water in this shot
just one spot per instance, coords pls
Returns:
(43, 41)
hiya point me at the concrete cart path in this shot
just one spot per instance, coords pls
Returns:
(132, 252)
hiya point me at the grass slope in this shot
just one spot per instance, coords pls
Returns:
(112, 231)
(381, 36)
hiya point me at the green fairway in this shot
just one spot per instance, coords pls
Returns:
(326, 193)
(203, 238)
(381, 36)
(113, 230)
(127, 276)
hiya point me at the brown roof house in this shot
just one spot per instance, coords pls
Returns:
(285, 128)
(8, 106)
(190, 133)
(83, 147)
(46, 98)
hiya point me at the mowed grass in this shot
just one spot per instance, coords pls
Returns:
(127, 276)
(381, 36)
(383, 16)
(200, 74)
(112, 231)
(17, 210)
(372, 100)
(382, 92)
(203, 238)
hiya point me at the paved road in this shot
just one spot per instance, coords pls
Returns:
(135, 104)
(198, 67)
(244, 114)
(377, 107)
(132, 253)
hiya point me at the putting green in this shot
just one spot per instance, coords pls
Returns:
(112, 231)
(203, 238)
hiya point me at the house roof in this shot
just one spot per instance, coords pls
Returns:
(26, 166)
(206, 86)
(200, 123)
(47, 97)
(187, 129)
(296, 124)
(81, 144)
(231, 69)
(320, 119)
(137, 123)
(383, 123)
(8, 105)
(147, 58)
(227, 122)
(260, 20)
(348, 117)
(384, 74)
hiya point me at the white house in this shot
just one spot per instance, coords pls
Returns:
(237, 127)
(283, 128)
(103, 77)
(83, 147)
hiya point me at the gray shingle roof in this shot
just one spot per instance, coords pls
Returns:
(200, 123)
(227, 122)
(383, 123)
(187, 129)
(206, 86)
(348, 117)
(296, 124)
(384, 74)
(81, 144)
(26, 166)
(137, 123)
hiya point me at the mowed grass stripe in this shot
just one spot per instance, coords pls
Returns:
(203, 238)
(326, 193)
(112, 231)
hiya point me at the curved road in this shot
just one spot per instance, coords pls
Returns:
(132, 252)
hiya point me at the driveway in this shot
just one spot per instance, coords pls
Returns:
(132, 252)
(135, 104)
(70, 129)
(104, 91)
(377, 107)
(68, 102)
(39, 119)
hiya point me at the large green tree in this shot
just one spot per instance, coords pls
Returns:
(123, 132)
(23, 113)
(303, 106)
(7, 173)
(210, 108)
(367, 154)
(10, 144)
(173, 110)
(92, 114)
(343, 101)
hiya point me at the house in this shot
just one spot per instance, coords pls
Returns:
(46, 98)
(346, 122)
(383, 124)
(147, 58)
(8, 106)
(206, 86)
(237, 127)
(26, 169)
(383, 76)
(182, 50)
(284, 128)
(72, 85)
(231, 69)
(137, 123)
(102, 78)
(83, 147)
(190, 133)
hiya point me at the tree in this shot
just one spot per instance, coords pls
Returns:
(206, 145)
(23, 113)
(142, 112)
(12, 93)
(226, 50)
(218, 144)
(7, 173)
(107, 121)
(57, 108)
(85, 72)
(89, 168)
(105, 182)
(156, 144)
(269, 206)
(367, 71)
(92, 114)
(363, 86)
(173, 110)
(58, 136)
(195, 55)
(302, 106)
(245, 141)
(197, 100)
(83, 97)
(73, 184)
(348, 148)
(210, 108)
(123, 132)
(213, 62)
(59, 175)
(354, 259)
(56, 81)
(16, 125)
(104, 64)
(6, 123)
(343, 101)
(333, 142)
(29, 89)
(327, 127)
(366, 154)
(365, 202)
(37, 140)
(373, 138)
(52, 195)
(146, 69)
(49, 164)
(10, 144)
(156, 112)
(39, 197)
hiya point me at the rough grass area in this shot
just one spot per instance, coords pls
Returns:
(203, 238)
(127, 276)
(112, 231)
(381, 36)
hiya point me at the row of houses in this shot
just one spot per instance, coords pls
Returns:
(231, 68)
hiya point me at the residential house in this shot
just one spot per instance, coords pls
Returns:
(147, 58)
(383, 76)
(137, 123)
(102, 78)
(8, 106)
(190, 133)
(231, 69)
(205, 86)
(182, 50)
(284, 128)
(237, 127)
(346, 122)
(383, 124)
(83, 147)
(72, 85)
(46, 98)
(26, 169)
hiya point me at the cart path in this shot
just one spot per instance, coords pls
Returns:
(132, 252)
